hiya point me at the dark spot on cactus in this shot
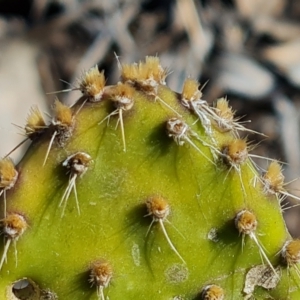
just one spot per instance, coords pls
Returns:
(27, 289)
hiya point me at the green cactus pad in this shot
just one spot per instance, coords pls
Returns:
(157, 221)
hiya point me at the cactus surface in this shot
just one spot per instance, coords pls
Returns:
(139, 192)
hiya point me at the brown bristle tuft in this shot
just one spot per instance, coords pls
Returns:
(158, 208)
(190, 90)
(35, 123)
(92, 84)
(8, 174)
(291, 252)
(273, 179)
(146, 75)
(177, 129)
(212, 292)
(101, 274)
(245, 222)
(62, 114)
(152, 69)
(223, 110)
(236, 151)
(122, 95)
(14, 225)
(77, 163)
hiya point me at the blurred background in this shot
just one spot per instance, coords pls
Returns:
(246, 50)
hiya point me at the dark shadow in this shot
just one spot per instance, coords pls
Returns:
(199, 296)
(81, 284)
(228, 233)
(138, 214)
(159, 141)
(139, 223)
(61, 175)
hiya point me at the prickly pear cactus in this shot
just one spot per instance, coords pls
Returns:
(138, 192)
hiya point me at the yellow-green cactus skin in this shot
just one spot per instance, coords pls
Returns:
(139, 192)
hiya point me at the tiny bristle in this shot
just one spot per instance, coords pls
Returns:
(236, 151)
(63, 114)
(158, 208)
(190, 90)
(92, 84)
(273, 178)
(245, 222)
(14, 225)
(8, 173)
(35, 122)
(101, 273)
(223, 110)
(212, 292)
(291, 252)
